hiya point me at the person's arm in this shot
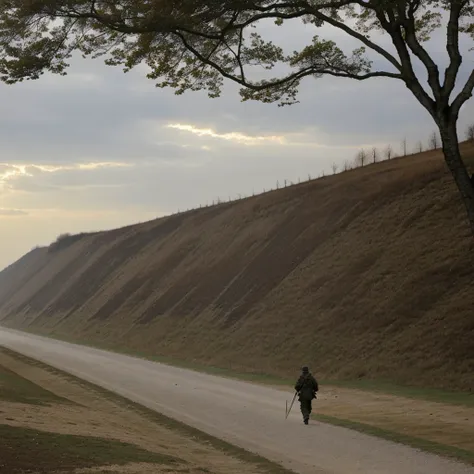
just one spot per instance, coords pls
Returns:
(298, 385)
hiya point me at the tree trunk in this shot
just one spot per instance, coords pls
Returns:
(452, 156)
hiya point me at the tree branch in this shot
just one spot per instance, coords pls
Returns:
(463, 96)
(291, 78)
(452, 46)
(305, 4)
(264, 16)
(370, 44)
(420, 52)
(359, 77)
(393, 28)
(242, 81)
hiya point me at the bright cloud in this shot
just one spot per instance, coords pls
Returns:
(9, 171)
(309, 138)
(236, 137)
(106, 164)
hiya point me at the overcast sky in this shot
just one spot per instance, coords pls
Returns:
(100, 149)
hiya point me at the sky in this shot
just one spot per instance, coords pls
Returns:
(99, 149)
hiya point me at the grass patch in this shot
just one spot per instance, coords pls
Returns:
(197, 435)
(49, 452)
(420, 393)
(419, 443)
(14, 388)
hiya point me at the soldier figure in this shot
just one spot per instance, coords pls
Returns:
(306, 386)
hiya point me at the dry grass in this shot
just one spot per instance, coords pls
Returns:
(364, 275)
(447, 425)
(98, 432)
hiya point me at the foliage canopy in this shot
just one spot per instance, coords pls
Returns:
(194, 44)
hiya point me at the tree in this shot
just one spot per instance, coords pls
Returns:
(195, 45)
(404, 147)
(388, 152)
(433, 142)
(470, 133)
(65, 235)
(361, 158)
(419, 147)
(334, 168)
(375, 155)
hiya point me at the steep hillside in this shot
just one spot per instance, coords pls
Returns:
(365, 274)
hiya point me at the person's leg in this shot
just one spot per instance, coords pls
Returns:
(305, 410)
(302, 407)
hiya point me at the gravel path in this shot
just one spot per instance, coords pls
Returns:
(247, 415)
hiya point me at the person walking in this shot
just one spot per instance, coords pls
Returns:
(306, 387)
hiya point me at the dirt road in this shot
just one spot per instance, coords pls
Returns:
(244, 414)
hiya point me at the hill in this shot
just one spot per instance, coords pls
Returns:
(366, 274)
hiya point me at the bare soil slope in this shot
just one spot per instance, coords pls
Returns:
(365, 274)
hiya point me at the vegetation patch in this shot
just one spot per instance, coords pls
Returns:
(64, 241)
(419, 443)
(28, 450)
(419, 393)
(14, 388)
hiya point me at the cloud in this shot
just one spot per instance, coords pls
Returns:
(11, 172)
(12, 212)
(236, 137)
(105, 164)
(307, 137)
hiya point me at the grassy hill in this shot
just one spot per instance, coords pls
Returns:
(366, 274)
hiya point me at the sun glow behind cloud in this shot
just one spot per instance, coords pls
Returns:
(236, 137)
(11, 171)
(307, 138)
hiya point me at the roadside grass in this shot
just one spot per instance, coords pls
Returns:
(439, 449)
(14, 388)
(27, 450)
(265, 465)
(417, 393)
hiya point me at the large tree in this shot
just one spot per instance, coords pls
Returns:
(194, 44)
